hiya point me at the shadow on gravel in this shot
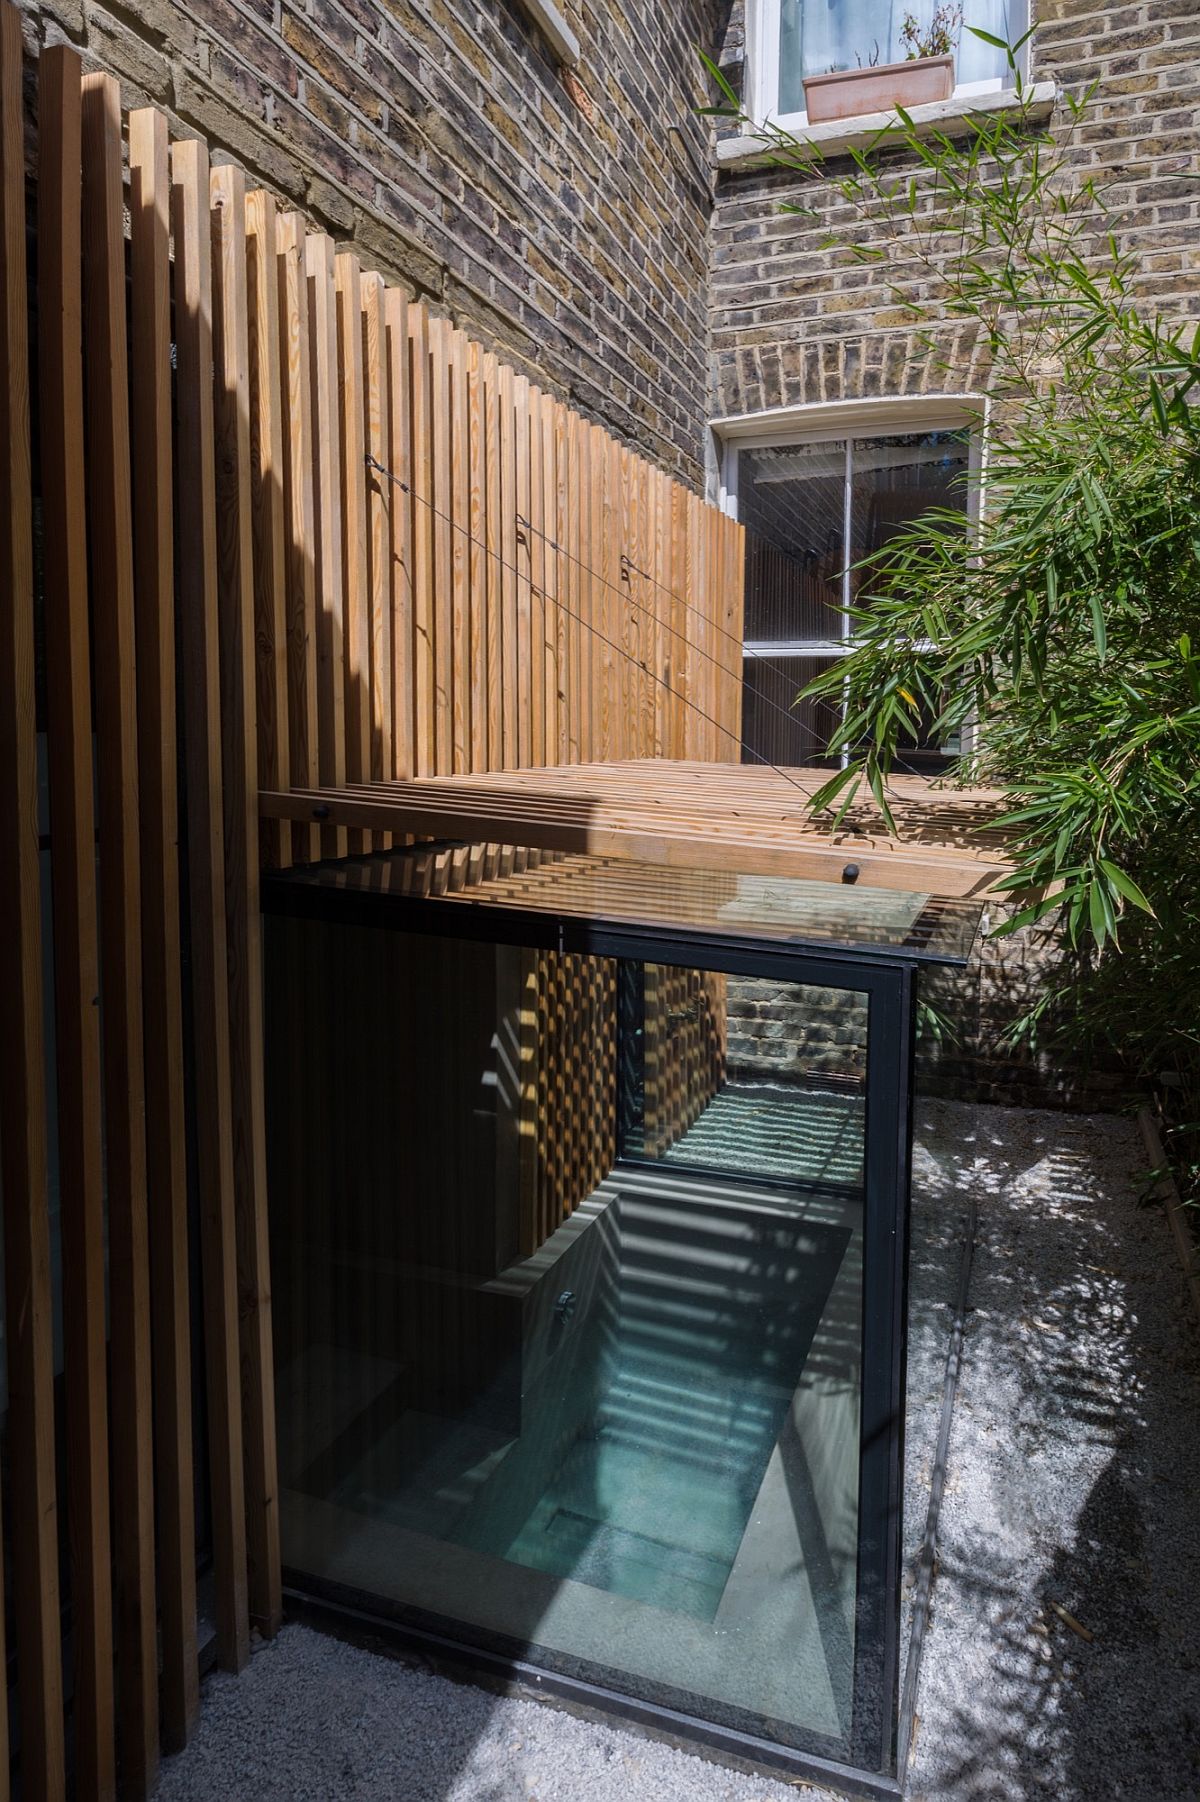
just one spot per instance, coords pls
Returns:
(1064, 1659)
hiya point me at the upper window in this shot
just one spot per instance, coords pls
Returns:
(812, 511)
(792, 39)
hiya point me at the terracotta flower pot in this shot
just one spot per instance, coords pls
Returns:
(852, 93)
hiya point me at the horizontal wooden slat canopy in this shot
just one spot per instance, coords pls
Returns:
(709, 816)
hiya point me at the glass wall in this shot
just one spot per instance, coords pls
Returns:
(568, 1268)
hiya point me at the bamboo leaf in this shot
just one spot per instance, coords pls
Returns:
(1126, 886)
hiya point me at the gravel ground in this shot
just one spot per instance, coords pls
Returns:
(1074, 1485)
(1073, 1480)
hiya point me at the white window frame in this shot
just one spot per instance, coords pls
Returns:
(761, 89)
(823, 422)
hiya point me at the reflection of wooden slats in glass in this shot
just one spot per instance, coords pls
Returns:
(776, 724)
(568, 1089)
(790, 597)
(683, 1036)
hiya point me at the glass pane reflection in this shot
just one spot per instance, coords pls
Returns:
(594, 1402)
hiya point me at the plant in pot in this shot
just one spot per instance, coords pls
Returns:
(926, 73)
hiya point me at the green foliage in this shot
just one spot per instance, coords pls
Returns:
(1055, 613)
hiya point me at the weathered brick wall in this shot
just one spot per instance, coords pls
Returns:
(561, 220)
(794, 322)
(965, 1044)
(795, 1032)
(818, 1037)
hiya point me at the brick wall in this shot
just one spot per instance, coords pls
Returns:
(792, 323)
(796, 1033)
(559, 219)
(818, 1037)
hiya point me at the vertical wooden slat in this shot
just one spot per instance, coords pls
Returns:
(623, 625)
(166, 1169)
(698, 665)
(443, 549)
(356, 644)
(239, 773)
(267, 502)
(510, 585)
(206, 874)
(726, 618)
(494, 411)
(76, 953)
(425, 747)
(733, 622)
(29, 1316)
(400, 517)
(625, 520)
(641, 592)
(660, 599)
(539, 563)
(476, 651)
(523, 679)
(557, 580)
(459, 507)
(681, 636)
(327, 515)
(111, 535)
(377, 445)
(299, 530)
(573, 504)
(598, 605)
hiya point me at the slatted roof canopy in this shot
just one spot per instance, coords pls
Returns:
(736, 818)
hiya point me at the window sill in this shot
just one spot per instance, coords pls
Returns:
(953, 117)
(554, 28)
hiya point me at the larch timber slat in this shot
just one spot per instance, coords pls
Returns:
(327, 513)
(300, 547)
(166, 1168)
(23, 1151)
(356, 627)
(199, 645)
(239, 772)
(267, 500)
(378, 446)
(76, 950)
(110, 524)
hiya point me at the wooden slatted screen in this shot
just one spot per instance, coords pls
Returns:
(360, 548)
(497, 584)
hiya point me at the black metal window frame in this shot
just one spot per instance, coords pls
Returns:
(888, 979)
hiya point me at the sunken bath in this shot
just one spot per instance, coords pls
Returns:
(588, 1269)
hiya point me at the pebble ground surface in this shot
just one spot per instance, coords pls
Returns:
(1063, 1654)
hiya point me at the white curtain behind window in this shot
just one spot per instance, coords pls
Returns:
(818, 35)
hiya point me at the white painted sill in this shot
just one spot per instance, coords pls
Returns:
(555, 30)
(951, 116)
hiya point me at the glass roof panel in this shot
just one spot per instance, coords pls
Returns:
(623, 891)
